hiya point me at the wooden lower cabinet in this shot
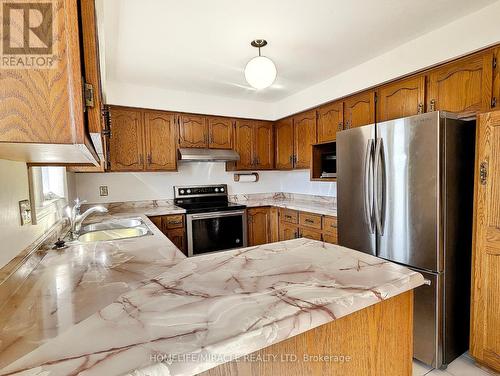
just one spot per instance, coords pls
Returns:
(288, 231)
(259, 226)
(298, 224)
(173, 226)
(485, 300)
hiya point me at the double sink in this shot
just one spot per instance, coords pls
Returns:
(113, 229)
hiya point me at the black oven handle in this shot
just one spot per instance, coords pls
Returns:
(217, 214)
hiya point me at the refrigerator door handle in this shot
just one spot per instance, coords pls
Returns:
(368, 186)
(379, 209)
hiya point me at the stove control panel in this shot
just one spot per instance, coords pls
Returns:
(200, 190)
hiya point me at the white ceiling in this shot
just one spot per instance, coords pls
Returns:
(203, 46)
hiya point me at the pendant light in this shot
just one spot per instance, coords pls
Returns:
(260, 72)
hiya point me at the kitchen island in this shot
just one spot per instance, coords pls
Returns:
(243, 311)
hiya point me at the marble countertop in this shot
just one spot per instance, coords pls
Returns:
(196, 312)
(70, 285)
(301, 205)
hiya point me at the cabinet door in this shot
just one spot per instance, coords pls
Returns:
(178, 237)
(126, 147)
(485, 320)
(304, 136)
(401, 98)
(310, 234)
(160, 135)
(284, 144)
(330, 121)
(193, 131)
(495, 100)
(259, 222)
(264, 145)
(220, 133)
(462, 87)
(359, 110)
(288, 231)
(243, 142)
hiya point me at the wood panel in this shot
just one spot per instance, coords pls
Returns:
(401, 98)
(274, 227)
(495, 100)
(220, 132)
(193, 131)
(485, 318)
(378, 341)
(304, 136)
(284, 144)
(330, 121)
(126, 143)
(178, 237)
(243, 141)
(330, 224)
(359, 109)
(462, 87)
(160, 134)
(259, 225)
(264, 145)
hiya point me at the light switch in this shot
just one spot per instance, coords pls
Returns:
(25, 212)
(103, 190)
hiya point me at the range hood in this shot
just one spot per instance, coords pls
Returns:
(207, 155)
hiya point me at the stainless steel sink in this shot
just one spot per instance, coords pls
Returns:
(114, 229)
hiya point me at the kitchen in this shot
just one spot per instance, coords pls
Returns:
(220, 203)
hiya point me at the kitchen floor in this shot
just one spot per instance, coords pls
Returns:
(463, 366)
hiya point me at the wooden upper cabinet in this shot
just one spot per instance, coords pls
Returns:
(160, 134)
(401, 98)
(304, 136)
(330, 121)
(485, 320)
(264, 145)
(359, 110)
(243, 139)
(220, 133)
(283, 130)
(463, 87)
(259, 226)
(126, 142)
(193, 131)
(41, 109)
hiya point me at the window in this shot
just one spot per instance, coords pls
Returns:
(48, 191)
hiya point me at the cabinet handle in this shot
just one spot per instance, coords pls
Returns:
(291, 159)
(309, 220)
(420, 109)
(141, 159)
(347, 124)
(340, 126)
(483, 173)
(150, 159)
(175, 222)
(433, 105)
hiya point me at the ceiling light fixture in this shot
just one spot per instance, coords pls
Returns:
(260, 72)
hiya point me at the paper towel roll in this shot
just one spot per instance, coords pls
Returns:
(246, 178)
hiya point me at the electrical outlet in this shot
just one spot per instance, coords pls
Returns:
(103, 190)
(25, 212)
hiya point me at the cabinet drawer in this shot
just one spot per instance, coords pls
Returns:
(330, 237)
(330, 224)
(289, 216)
(310, 234)
(310, 220)
(173, 221)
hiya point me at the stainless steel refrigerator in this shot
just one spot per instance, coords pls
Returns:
(405, 194)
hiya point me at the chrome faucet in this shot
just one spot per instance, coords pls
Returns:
(76, 219)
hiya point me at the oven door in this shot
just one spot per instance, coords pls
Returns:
(218, 231)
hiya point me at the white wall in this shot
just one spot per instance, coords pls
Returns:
(472, 32)
(127, 186)
(13, 188)
(460, 37)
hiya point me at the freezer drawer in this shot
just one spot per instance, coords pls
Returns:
(428, 320)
